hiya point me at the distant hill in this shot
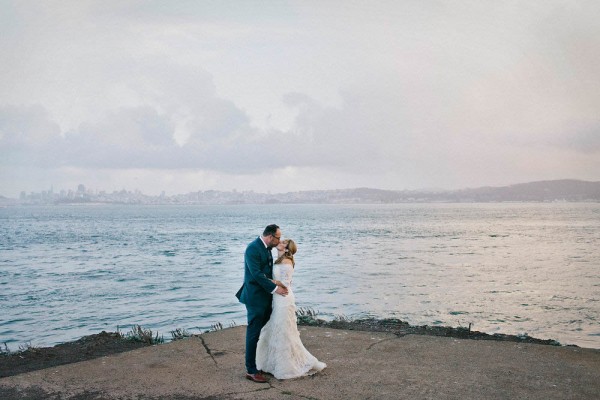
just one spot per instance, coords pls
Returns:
(559, 190)
(544, 191)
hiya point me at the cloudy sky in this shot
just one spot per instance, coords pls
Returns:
(294, 95)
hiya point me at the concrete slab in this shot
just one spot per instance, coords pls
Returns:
(361, 365)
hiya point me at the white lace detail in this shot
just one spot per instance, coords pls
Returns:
(284, 273)
(280, 350)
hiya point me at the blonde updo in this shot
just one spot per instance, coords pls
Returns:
(290, 250)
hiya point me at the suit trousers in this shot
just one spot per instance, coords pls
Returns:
(257, 318)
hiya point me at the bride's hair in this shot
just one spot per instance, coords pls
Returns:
(290, 250)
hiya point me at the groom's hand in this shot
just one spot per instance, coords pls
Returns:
(281, 291)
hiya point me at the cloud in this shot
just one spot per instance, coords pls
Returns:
(581, 138)
(214, 134)
(27, 135)
(394, 95)
(366, 133)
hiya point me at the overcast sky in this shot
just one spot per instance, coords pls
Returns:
(294, 95)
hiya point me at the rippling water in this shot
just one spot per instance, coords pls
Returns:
(69, 271)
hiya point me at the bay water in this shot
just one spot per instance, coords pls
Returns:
(515, 268)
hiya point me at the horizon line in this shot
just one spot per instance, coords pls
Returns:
(323, 190)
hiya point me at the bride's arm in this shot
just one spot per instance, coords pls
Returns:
(287, 270)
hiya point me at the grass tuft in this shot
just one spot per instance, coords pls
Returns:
(22, 348)
(27, 346)
(216, 327)
(306, 311)
(219, 326)
(139, 334)
(342, 318)
(179, 334)
(307, 316)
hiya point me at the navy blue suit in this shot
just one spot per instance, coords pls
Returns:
(255, 293)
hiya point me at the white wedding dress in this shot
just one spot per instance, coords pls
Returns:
(280, 350)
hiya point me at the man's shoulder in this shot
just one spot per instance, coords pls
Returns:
(255, 244)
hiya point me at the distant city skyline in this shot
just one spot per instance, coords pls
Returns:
(297, 95)
(544, 191)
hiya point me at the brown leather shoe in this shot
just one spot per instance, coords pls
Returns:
(258, 377)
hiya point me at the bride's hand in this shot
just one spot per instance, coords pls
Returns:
(278, 283)
(281, 291)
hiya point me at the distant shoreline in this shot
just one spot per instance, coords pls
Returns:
(564, 190)
(101, 204)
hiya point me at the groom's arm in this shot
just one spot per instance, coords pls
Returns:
(253, 261)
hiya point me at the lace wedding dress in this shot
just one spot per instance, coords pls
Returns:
(280, 350)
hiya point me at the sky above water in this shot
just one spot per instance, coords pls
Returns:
(283, 96)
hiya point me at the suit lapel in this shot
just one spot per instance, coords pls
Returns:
(270, 257)
(270, 263)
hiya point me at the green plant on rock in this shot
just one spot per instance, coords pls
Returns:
(216, 327)
(307, 316)
(139, 334)
(27, 346)
(219, 326)
(179, 334)
(342, 318)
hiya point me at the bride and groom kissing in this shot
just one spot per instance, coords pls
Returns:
(273, 342)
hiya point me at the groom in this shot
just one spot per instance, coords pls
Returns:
(257, 292)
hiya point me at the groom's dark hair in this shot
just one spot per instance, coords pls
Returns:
(270, 230)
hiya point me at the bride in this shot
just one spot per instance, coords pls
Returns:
(280, 350)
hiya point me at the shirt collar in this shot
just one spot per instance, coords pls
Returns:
(261, 239)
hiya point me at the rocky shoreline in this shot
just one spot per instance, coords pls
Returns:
(86, 348)
(106, 343)
(401, 328)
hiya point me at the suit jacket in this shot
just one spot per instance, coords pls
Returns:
(258, 272)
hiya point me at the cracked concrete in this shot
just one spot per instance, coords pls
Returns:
(361, 365)
(381, 341)
(208, 350)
